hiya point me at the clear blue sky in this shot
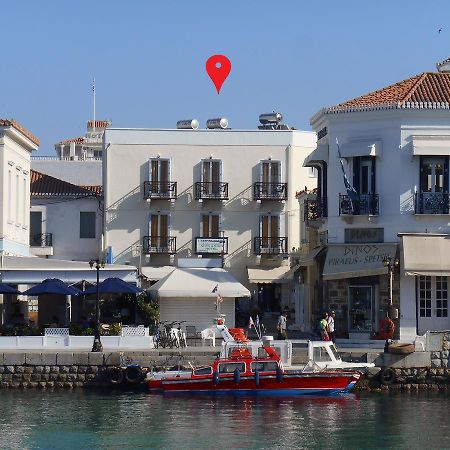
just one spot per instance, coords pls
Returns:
(148, 58)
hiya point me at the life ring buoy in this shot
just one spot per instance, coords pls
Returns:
(115, 375)
(387, 328)
(133, 374)
(387, 376)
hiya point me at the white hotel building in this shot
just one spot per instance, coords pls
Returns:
(211, 193)
(396, 146)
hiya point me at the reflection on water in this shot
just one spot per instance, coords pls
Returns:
(118, 420)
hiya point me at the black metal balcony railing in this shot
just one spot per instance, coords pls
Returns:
(41, 240)
(432, 203)
(365, 205)
(211, 190)
(159, 244)
(160, 190)
(211, 246)
(269, 191)
(270, 245)
(314, 209)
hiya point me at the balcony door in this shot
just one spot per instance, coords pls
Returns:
(35, 228)
(160, 175)
(434, 185)
(270, 171)
(270, 232)
(211, 177)
(159, 230)
(210, 225)
(364, 183)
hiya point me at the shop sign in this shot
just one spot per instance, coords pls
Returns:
(363, 235)
(211, 245)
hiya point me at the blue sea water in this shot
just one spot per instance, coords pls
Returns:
(86, 419)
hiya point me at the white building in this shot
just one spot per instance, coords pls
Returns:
(227, 194)
(65, 219)
(395, 144)
(16, 146)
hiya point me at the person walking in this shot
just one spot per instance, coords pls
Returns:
(331, 326)
(323, 326)
(281, 327)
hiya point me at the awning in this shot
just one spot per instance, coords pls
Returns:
(431, 145)
(361, 148)
(356, 260)
(269, 274)
(156, 273)
(200, 283)
(32, 270)
(426, 254)
(307, 259)
(317, 156)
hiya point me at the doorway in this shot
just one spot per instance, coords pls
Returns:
(360, 311)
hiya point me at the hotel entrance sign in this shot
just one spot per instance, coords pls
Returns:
(211, 246)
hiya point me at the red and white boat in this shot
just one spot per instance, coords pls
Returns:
(242, 373)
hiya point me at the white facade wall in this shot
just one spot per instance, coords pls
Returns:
(126, 167)
(61, 218)
(15, 151)
(397, 179)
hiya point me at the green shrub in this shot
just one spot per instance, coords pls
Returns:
(147, 309)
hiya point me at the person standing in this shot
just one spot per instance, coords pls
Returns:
(281, 327)
(330, 328)
(323, 326)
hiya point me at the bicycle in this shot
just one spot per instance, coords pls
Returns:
(179, 335)
(163, 336)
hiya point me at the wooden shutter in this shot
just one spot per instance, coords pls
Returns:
(275, 172)
(206, 178)
(274, 226)
(265, 171)
(214, 226)
(205, 225)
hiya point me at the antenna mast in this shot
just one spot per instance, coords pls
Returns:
(93, 91)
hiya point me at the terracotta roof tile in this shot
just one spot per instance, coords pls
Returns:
(77, 140)
(427, 90)
(42, 185)
(17, 126)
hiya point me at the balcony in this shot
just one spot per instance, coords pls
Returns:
(159, 244)
(315, 209)
(431, 203)
(41, 244)
(365, 205)
(211, 246)
(211, 190)
(270, 245)
(269, 191)
(160, 190)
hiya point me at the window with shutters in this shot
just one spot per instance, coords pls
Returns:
(159, 240)
(270, 187)
(433, 197)
(211, 225)
(270, 239)
(211, 186)
(159, 185)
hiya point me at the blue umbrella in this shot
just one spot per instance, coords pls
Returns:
(114, 286)
(5, 289)
(52, 286)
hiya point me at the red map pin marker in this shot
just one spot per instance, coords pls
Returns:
(218, 68)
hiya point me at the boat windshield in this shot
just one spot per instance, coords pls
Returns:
(203, 371)
(231, 367)
(335, 352)
(264, 366)
(321, 355)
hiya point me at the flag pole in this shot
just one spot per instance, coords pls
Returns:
(93, 91)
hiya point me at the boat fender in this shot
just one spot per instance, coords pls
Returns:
(115, 375)
(133, 374)
(279, 374)
(257, 377)
(237, 376)
(215, 379)
(387, 376)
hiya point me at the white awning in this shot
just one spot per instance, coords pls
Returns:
(356, 260)
(156, 273)
(431, 145)
(269, 274)
(426, 254)
(361, 148)
(32, 270)
(199, 282)
(318, 155)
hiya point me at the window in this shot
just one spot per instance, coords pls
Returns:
(87, 225)
(210, 225)
(159, 230)
(270, 171)
(270, 231)
(231, 367)
(24, 202)
(203, 371)
(433, 192)
(160, 175)
(424, 296)
(441, 297)
(262, 366)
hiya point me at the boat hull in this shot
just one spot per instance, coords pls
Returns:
(304, 384)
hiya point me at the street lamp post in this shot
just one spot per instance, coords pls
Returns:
(391, 263)
(97, 346)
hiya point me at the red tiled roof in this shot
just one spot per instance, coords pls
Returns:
(99, 123)
(427, 90)
(17, 126)
(42, 184)
(77, 140)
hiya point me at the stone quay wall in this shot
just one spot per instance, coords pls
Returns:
(70, 370)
